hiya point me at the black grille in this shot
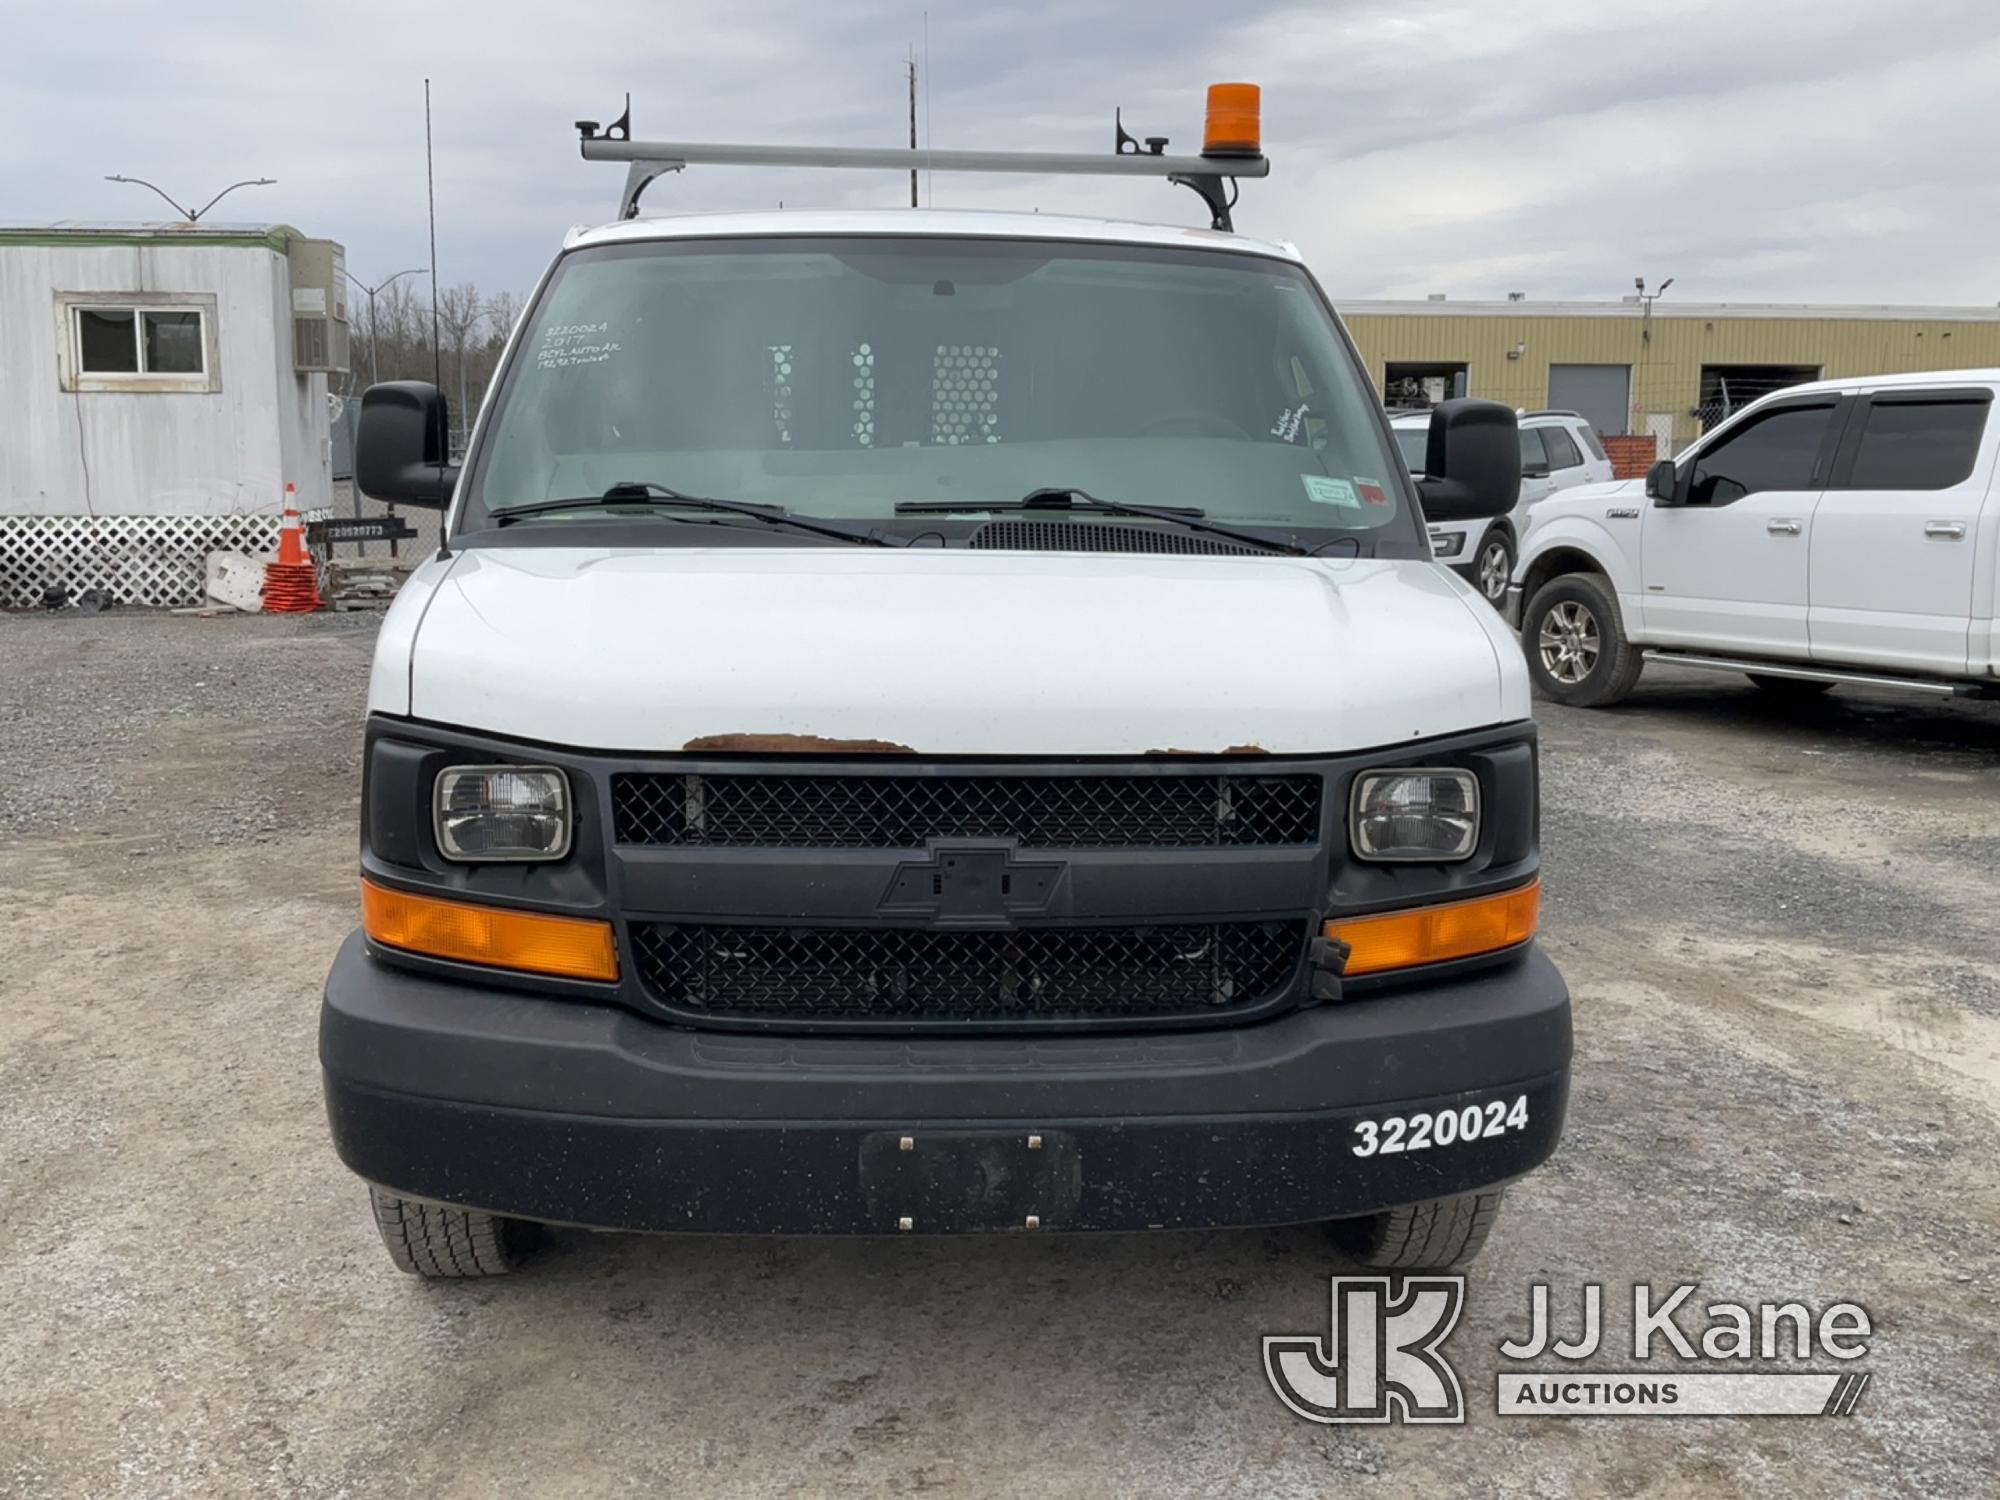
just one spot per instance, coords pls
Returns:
(1094, 536)
(877, 973)
(902, 812)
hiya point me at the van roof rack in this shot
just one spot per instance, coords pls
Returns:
(1206, 174)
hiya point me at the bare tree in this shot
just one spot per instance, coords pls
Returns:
(460, 312)
(473, 329)
(502, 308)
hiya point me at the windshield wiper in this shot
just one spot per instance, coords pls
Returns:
(637, 492)
(1073, 499)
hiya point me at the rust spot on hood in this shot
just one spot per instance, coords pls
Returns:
(1226, 750)
(792, 744)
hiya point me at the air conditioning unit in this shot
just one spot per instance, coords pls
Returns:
(319, 305)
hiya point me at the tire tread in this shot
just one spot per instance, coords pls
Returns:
(442, 1243)
(1433, 1236)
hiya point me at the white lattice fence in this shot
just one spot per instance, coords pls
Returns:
(149, 560)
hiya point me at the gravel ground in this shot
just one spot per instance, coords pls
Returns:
(1778, 925)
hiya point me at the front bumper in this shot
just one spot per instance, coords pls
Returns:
(574, 1113)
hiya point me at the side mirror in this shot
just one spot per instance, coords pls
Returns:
(402, 445)
(1661, 482)
(1472, 466)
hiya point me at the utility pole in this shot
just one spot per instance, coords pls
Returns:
(370, 292)
(913, 125)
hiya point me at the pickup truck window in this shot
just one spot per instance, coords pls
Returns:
(1917, 445)
(1774, 451)
(840, 377)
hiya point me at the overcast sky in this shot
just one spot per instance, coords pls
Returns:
(1755, 150)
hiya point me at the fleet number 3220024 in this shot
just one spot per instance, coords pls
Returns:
(1441, 1127)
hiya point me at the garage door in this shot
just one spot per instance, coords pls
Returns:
(1603, 393)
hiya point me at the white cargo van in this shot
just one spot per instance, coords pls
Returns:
(929, 722)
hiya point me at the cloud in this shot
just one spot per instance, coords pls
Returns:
(1771, 150)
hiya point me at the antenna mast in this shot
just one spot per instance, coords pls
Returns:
(913, 125)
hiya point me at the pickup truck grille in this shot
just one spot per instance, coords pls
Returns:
(1026, 974)
(892, 811)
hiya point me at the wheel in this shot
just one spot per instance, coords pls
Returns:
(1434, 1236)
(428, 1239)
(1575, 643)
(1493, 566)
(1788, 689)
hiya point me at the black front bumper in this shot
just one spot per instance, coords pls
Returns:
(568, 1112)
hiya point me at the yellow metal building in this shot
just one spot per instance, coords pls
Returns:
(1667, 371)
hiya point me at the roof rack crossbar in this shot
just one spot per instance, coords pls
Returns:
(651, 159)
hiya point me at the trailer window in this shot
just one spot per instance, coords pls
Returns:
(126, 342)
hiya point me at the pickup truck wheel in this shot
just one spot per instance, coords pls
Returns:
(1432, 1236)
(1493, 565)
(430, 1240)
(1784, 689)
(1575, 643)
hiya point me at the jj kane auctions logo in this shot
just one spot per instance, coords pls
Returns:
(1383, 1361)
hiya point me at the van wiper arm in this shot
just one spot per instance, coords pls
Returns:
(640, 492)
(1072, 499)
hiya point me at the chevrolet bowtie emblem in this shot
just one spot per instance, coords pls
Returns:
(972, 885)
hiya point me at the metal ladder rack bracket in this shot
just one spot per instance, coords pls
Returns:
(647, 160)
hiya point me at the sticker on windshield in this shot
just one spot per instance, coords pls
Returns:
(565, 345)
(1323, 490)
(1372, 492)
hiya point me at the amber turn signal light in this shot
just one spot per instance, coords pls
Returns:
(1235, 120)
(568, 947)
(1432, 934)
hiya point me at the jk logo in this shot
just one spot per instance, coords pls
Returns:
(1380, 1360)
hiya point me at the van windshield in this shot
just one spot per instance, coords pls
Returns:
(840, 378)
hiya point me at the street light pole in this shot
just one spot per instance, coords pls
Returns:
(1646, 301)
(193, 215)
(370, 292)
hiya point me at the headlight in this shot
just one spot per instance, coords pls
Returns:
(502, 813)
(1419, 814)
(1447, 543)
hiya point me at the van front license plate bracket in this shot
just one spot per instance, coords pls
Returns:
(962, 1181)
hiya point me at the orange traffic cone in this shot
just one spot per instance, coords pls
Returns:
(291, 584)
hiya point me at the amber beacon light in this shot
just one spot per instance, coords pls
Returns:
(569, 947)
(1235, 113)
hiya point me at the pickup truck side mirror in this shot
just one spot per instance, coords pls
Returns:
(1472, 465)
(402, 445)
(1662, 482)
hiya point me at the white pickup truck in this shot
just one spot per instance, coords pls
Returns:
(1845, 531)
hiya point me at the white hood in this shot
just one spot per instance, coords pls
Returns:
(944, 652)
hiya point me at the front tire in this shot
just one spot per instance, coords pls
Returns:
(1434, 1236)
(440, 1243)
(1493, 566)
(1576, 645)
